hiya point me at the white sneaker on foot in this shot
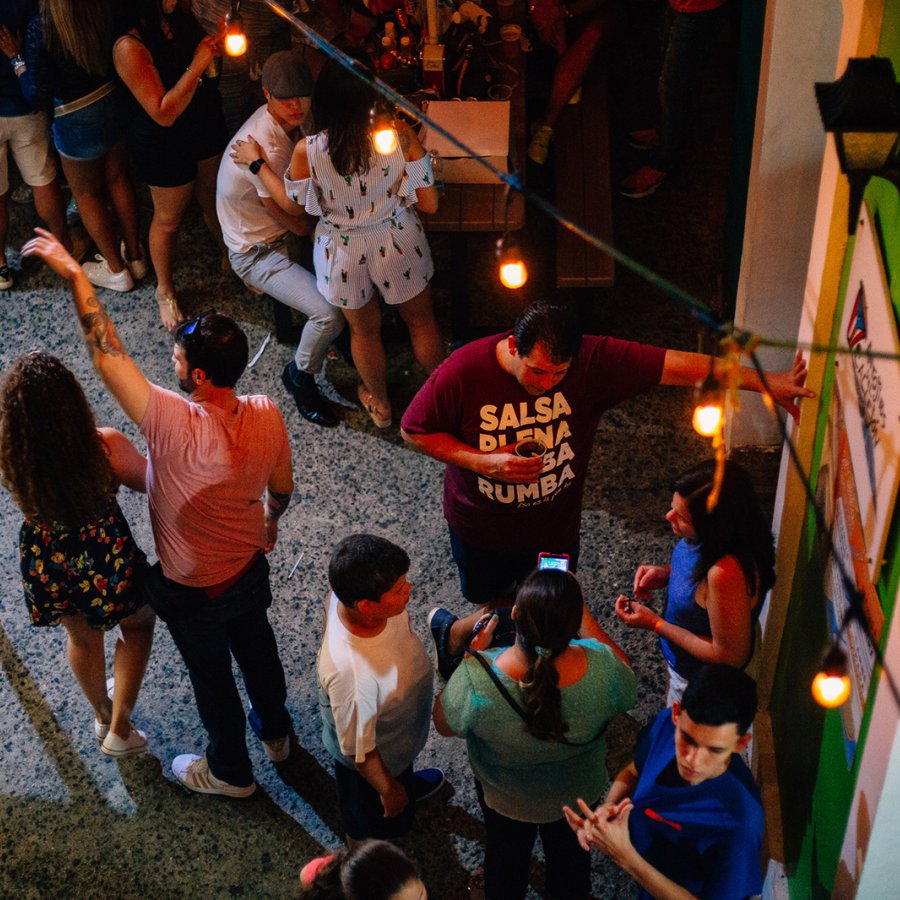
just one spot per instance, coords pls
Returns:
(278, 749)
(135, 743)
(99, 273)
(193, 772)
(137, 267)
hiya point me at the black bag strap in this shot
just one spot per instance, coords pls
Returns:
(518, 709)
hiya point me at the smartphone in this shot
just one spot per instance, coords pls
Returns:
(554, 561)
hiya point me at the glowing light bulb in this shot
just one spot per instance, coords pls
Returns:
(236, 43)
(385, 140)
(707, 419)
(831, 686)
(513, 271)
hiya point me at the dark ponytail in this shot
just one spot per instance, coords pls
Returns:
(548, 615)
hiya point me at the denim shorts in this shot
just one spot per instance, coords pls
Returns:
(88, 133)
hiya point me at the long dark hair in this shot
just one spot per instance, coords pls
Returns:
(548, 615)
(52, 459)
(735, 527)
(341, 105)
(372, 870)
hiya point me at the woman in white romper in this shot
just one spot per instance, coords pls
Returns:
(368, 236)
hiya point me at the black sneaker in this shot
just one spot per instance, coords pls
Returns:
(310, 403)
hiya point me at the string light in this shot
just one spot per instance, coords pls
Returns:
(235, 39)
(513, 271)
(831, 686)
(384, 135)
(709, 404)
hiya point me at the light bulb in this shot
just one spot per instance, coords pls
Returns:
(235, 39)
(385, 140)
(707, 419)
(831, 686)
(513, 271)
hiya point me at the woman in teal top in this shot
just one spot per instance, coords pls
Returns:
(527, 763)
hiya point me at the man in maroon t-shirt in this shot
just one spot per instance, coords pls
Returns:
(543, 382)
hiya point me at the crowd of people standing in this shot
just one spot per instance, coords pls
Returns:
(531, 679)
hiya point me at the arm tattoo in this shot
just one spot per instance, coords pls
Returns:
(276, 504)
(99, 332)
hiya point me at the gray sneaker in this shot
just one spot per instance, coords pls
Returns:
(193, 772)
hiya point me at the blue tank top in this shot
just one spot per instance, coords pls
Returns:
(682, 608)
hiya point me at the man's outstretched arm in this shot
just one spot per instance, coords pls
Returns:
(121, 376)
(682, 368)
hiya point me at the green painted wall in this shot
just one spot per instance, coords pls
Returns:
(816, 784)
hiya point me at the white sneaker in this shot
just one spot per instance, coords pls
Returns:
(137, 267)
(279, 749)
(135, 743)
(98, 273)
(193, 772)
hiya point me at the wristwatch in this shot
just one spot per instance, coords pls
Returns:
(256, 165)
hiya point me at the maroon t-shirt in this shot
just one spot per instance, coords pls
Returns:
(471, 397)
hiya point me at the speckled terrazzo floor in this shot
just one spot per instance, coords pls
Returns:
(74, 823)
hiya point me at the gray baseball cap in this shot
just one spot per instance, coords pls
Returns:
(285, 75)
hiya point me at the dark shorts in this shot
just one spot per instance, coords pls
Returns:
(486, 576)
(362, 814)
(95, 570)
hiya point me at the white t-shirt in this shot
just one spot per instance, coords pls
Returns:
(373, 691)
(244, 220)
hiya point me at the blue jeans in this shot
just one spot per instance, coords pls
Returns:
(689, 40)
(489, 575)
(208, 632)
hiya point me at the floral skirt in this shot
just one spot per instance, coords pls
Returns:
(92, 570)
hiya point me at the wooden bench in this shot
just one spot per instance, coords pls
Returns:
(583, 187)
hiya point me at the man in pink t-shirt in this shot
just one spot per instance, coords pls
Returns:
(218, 479)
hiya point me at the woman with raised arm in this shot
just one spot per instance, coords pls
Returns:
(721, 570)
(369, 237)
(534, 717)
(177, 134)
(80, 564)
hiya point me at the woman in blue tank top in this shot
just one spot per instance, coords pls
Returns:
(718, 577)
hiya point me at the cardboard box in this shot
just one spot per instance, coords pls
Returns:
(483, 126)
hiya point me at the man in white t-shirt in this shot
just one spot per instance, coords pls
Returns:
(375, 690)
(257, 231)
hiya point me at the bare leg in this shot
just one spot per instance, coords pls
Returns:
(132, 653)
(51, 207)
(88, 663)
(368, 352)
(205, 192)
(427, 343)
(86, 179)
(169, 204)
(574, 63)
(4, 225)
(124, 199)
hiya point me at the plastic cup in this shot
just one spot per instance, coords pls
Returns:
(500, 92)
(530, 449)
(511, 36)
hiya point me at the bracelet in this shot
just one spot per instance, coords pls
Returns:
(198, 77)
(657, 624)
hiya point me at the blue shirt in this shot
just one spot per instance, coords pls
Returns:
(14, 14)
(706, 837)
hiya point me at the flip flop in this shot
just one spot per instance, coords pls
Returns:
(368, 402)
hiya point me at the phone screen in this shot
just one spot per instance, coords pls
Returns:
(549, 561)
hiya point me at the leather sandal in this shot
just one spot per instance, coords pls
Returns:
(169, 312)
(368, 402)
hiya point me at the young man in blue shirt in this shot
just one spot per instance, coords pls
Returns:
(684, 819)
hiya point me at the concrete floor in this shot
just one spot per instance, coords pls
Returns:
(75, 823)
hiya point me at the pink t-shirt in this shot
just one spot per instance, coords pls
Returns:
(206, 476)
